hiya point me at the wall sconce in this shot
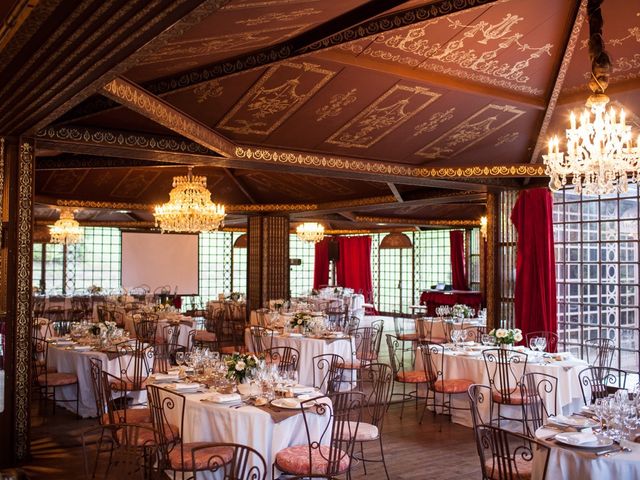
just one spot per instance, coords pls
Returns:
(483, 227)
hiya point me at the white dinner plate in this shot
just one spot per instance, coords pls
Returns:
(575, 421)
(282, 403)
(576, 439)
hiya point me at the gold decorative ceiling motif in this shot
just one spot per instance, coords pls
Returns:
(481, 124)
(278, 17)
(134, 183)
(64, 182)
(507, 138)
(275, 97)
(336, 103)
(208, 90)
(383, 116)
(434, 122)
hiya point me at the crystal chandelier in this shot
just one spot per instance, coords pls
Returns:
(190, 208)
(600, 157)
(310, 232)
(66, 230)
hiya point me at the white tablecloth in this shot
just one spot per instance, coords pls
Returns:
(309, 348)
(208, 422)
(457, 366)
(566, 463)
(72, 361)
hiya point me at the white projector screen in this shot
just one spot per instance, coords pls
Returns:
(158, 259)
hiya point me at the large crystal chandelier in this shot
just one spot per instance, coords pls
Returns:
(310, 232)
(190, 208)
(66, 230)
(600, 157)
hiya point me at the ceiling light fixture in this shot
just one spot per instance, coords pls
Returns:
(189, 208)
(66, 230)
(310, 232)
(600, 156)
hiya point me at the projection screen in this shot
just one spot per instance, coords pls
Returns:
(158, 259)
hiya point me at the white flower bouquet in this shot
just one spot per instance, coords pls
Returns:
(241, 366)
(506, 336)
(301, 319)
(460, 310)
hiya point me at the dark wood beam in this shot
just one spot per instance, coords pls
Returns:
(71, 49)
(348, 215)
(73, 162)
(241, 186)
(395, 192)
(148, 105)
(363, 22)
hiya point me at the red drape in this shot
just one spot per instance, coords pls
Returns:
(321, 264)
(535, 292)
(354, 267)
(458, 271)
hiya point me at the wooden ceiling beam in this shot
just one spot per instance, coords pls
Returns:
(435, 79)
(570, 43)
(614, 88)
(148, 105)
(364, 22)
(241, 186)
(420, 222)
(395, 192)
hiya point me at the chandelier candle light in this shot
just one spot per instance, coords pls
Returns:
(190, 208)
(310, 232)
(66, 230)
(600, 155)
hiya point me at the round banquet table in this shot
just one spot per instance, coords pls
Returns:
(309, 348)
(569, 463)
(458, 365)
(247, 425)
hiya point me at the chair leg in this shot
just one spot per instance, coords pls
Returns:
(364, 463)
(384, 463)
(404, 395)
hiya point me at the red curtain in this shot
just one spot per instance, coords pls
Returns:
(321, 264)
(458, 271)
(535, 292)
(354, 267)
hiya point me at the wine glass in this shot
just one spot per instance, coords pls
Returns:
(455, 336)
(180, 358)
(541, 343)
(533, 343)
(598, 409)
(487, 340)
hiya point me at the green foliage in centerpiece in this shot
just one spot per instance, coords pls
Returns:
(241, 366)
(301, 319)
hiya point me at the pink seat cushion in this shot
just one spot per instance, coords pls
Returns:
(515, 398)
(365, 432)
(131, 415)
(413, 376)
(458, 385)
(408, 337)
(295, 460)
(128, 385)
(57, 379)
(204, 336)
(521, 469)
(205, 458)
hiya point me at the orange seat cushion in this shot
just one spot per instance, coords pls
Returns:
(413, 376)
(205, 458)
(231, 349)
(146, 436)
(57, 379)
(458, 385)
(128, 385)
(515, 398)
(521, 469)
(205, 336)
(408, 337)
(355, 365)
(130, 415)
(295, 460)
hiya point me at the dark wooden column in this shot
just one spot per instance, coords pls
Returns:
(268, 259)
(15, 301)
(492, 270)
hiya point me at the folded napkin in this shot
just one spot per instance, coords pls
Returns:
(572, 421)
(290, 402)
(578, 438)
(298, 389)
(183, 387)
(82, 348)
(224, 397)
(166, 377)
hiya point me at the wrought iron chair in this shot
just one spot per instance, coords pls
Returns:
(211, 336)
(330, 453)
(550, 337)
(402, 359)
(230, 460)
(146, 330)
(505, 369)
(48, 380)
(327, 372)
(404, 333)
(337, 317)
(438, 382)
(539, 393)
(286, 358)
(600, 351)
(261, 339)
(481, 404)
(599, 382)
(352, 324)
(131, 450)
(506, 455)
(134, 360)
(377, 382)
(365, 347)
(424, 329)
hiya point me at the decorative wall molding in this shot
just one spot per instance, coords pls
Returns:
(419, 222)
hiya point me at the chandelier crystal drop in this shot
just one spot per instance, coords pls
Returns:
(310, 232)
(66, 230)
(601, 156)
(189, 208)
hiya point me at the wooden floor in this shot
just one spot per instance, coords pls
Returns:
(413, 451)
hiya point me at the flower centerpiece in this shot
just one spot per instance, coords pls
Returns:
(301, 320)
(235, 296)
(241, 366)
(506, 336)
(461, 310)
(94, 289)
(277, 304)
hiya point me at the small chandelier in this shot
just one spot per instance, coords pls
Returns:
(66, 230)
(190, 208)
(310, 232)
(600, 156)
(483, 227)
